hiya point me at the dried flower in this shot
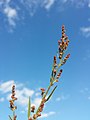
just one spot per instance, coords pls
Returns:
(12, 106)
(59, 74)
(32, 108)
(35, 116)
(40, 109)
(42, 89)
(30, 118)
(38, 114)
(15, 116)
(54, 71)
(55, 75)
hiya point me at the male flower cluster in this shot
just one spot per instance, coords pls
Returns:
(55, 75)
(63, 43)
(12, 106)
(62, 46)
(40, 109)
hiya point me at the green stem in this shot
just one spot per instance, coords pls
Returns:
(10, 117)
(13, 114)
(44, 97)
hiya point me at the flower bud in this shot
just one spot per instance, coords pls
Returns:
(34, 116)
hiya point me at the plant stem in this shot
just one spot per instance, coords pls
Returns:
(10, 117)
(44, 97)
(13, 114)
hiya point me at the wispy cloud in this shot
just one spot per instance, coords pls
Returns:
(89, 3)
(37, 94)
(48, 4)
(10, 12)
(62, 97)
(6, 86)
(1, 99)
(9, 7)
(86, 92)
(11, 15)
(85, 31)
(87, 55)
(22, 93)
(45, 115)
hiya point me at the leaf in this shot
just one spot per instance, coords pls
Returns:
(29, 108)
(10, 117)
(51, 93)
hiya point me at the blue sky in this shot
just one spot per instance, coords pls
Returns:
(29, 32)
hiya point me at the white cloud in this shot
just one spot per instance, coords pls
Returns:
(58, 99)
(48, 4)
(36, 101)
(31, 5)
(11, 15)
(37, 94)
(85, 31)
(45, 115)
(23, 111)
(87, 55)
(22, 93)
(6, 86)
(7, 1)
(89, 3)
(4, 2)
(79, 3)
(62, 97)
(1, 99)
(86, 92)
(9, 7)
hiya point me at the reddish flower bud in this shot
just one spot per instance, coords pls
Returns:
(57, 77)
(42, 89)
(54, 57)
(38, 114)
(56, 80)
(30, 118)
(40, 109)
(60, 56)
(42, 105)
(34, 116)
(66, 37)
(59, 42)
(61, 71)
(33, 107)
(68, 56)
(15, 117)
(54, 70)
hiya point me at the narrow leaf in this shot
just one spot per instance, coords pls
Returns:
(29, 107)
(51, 93)
(10, 117)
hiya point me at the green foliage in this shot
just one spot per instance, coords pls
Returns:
(51, 93)
(29, 108)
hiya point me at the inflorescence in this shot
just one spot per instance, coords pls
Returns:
(58, 61)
